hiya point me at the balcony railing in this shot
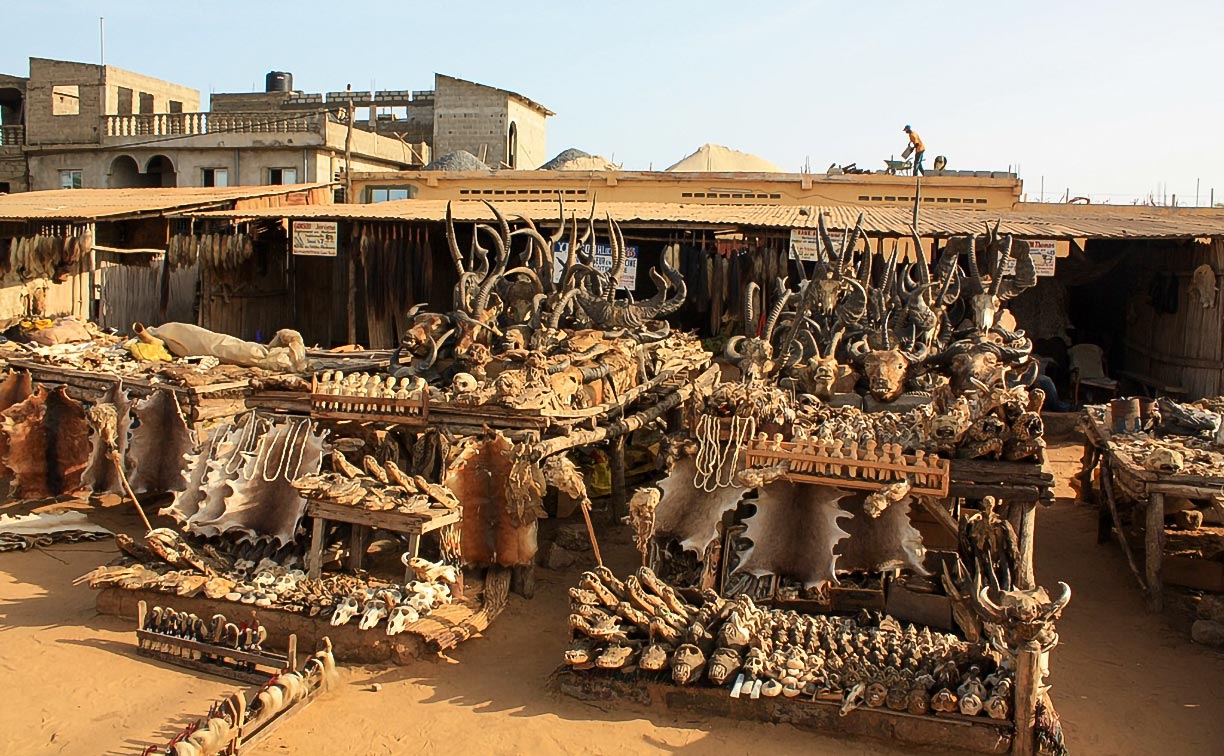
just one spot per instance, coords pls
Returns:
(191, 124)
(11, 136)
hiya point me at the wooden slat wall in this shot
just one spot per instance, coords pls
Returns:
(132, 293)
(1185, 348)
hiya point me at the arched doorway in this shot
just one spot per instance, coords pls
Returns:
(512, 146)
(161, 171)
(124, 173)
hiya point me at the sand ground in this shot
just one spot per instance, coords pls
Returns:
(1124, 681)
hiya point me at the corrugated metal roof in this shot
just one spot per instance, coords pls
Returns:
(1028, 221)
(96, 204)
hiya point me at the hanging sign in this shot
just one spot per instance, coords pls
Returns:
(1043, 253)
(602, 262)
(315, 238)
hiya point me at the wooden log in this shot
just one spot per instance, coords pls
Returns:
(617, 508)
(1005, 492)
(1028, 684)
(1023, 519)
(1154, 540)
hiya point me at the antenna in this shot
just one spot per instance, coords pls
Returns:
(101, 40)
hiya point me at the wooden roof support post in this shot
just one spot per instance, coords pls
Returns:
(1028, 685)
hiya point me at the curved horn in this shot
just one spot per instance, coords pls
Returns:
(560, 234)
(427, 362)
(1026, 378)
(775, 312)
(750, 318)
(618, 256)
(975, 275)
(1060, 601)
(465, 318)
(554, 319)
(416, 308)
(988, 608)
(1001, 258)
(826, 241)
(451, 243)
(502, 224)
(859, 348)
(849, 242)
(732, 349)
(503, 257)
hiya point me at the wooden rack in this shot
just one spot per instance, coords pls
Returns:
(247, 666)
(850, 465)
(411, 412)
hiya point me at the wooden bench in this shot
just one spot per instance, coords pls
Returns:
(1154, 386)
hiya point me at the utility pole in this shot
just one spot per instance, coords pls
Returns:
(348, 153)
(101, 40)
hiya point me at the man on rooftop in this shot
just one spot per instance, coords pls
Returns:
(919, 149)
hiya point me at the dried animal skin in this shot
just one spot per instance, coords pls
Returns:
(227, 458)
(794, 533)
(101, 474)
(17, 387)
(688, 514)
(642, 516)
(886, 542)
(158, 444)
(48, 444)
(187, 502)
(563, 475)
(478, 476)
(264, 504)
(524, 492)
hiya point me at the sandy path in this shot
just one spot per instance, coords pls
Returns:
(1124, 681)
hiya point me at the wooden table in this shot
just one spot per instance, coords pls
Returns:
(413, 524)
(1148, 490)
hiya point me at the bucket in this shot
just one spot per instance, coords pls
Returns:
(1145, 410)
(1124, 416)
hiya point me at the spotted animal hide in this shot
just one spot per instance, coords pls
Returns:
(158, 445)
(489, 532)
(17, 387)
(48, 444)
(689, 514)
(886, 542)
(264, 505)
(794, 533)
(101, 474)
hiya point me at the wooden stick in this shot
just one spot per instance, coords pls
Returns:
(1153, 554)
(1107, 485)
(114, 455)
(585, 506)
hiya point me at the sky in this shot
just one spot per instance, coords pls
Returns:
(1117, 101)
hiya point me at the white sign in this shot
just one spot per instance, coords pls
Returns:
(805, 243)
(1043, 253)
(317, 238)
(602, 262)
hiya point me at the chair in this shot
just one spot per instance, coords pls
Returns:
(1088, 370)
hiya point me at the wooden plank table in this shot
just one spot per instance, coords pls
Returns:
(413, 524)
(1147, 488)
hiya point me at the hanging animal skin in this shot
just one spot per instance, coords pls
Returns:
(1203, 286)
(264, 504)
(187, 502)
(158, 444)
(48, 444)
(229, 456)
(794, 533)
(101, 475)
(17, 387)
(886, 542)
(490, 531)
(689, 514)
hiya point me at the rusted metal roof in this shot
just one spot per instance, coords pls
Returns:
(1026, 220)
(116, 204)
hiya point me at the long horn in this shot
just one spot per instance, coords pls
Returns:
(975, 274)
(618, 256)
(1004, 252)
(554, 320)
(560, 233)
(502, 224)
(750, 319)
(784, 295)
(990, 609)
(732, 351)
(453, 245)
(848, 244)
(825, 240)
(1060, 601)
(503, 257)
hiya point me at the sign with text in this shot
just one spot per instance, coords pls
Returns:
(602, 262)
(315, 238)
(1043, 252)
(805, 243)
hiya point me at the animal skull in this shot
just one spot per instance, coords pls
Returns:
(886, 371)
(687, 664)
(1164, 460)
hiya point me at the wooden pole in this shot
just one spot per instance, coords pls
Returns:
(1028, 683)
(617, 461)
(1154, 541)
(585, 506)
(351, 302)
(1023, 519)
(348, 153)
(1111, 502)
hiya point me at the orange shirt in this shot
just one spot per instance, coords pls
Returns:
(916, 141)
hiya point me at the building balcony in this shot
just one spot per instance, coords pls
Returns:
(200, 124)
(12, 136)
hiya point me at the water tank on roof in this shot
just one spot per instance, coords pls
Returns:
(278, 81)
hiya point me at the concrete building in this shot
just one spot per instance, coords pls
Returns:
(74, 125)
(981, 190)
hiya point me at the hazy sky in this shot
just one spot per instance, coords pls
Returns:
(1115, 100)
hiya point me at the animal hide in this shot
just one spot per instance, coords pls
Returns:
(48, 444)
(229, 455)
(689, 514)
(794, 533)
(158, 444)
(264, 504)
(886, 542)
(1203, 286)
(101, 475)
(488, 532)
(17, 387)
(187, 502)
